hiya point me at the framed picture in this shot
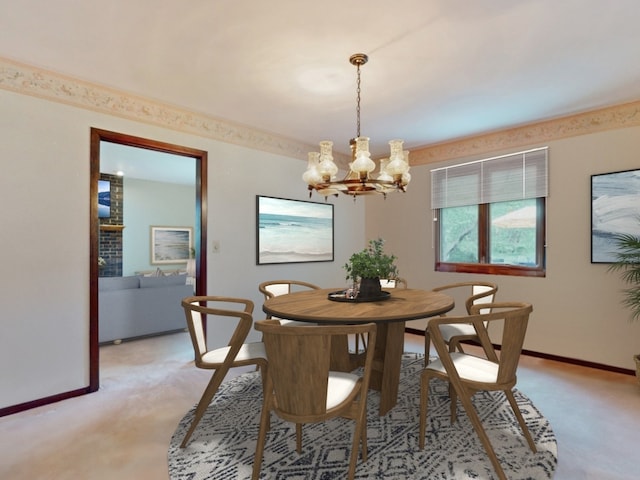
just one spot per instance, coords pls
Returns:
(104, 198)
(170, 244)
(291, 231)
(615, 209)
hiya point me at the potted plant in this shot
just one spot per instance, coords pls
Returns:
(369, 266)
(628, 262)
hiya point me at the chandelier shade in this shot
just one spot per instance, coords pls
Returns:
(393, 172)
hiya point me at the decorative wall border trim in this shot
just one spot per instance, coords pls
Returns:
(28, 80)
(36, 82)
(608, 118)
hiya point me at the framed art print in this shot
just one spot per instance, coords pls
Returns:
(290, 231)
(104, 198)
(170, 244)
(615, 209)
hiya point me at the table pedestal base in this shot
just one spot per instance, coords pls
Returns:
(387, 360)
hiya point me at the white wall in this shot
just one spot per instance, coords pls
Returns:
(577, 306)
(44, 246)
(149, 203)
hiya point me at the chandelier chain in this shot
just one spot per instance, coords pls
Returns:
(358, 101)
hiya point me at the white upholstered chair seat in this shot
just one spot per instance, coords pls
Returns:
(293, 323)
(469, 367)
(340, 386)
(247, 351)
(455, 330)
(481, 293)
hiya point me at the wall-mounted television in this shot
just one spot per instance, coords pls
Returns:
(104, 198)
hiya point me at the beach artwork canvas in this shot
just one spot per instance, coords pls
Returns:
(290, 231)
(615, 209)
(170, 244)
(104, 198)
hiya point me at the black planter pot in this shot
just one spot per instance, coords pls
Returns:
(369, 288)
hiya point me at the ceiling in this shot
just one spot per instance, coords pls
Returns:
(438, 70)
(141, 163)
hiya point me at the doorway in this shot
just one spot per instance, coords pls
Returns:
(100, 138)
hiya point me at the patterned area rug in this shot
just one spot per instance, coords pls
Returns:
(223, 445)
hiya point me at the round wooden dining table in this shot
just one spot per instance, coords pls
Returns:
(389, 315)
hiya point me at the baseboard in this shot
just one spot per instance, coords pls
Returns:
(141, 337)
(43, 401)
(555, 358)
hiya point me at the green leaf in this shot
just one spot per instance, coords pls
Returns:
(627, 261)
(371, 262)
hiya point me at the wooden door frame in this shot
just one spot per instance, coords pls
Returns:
(200, 234)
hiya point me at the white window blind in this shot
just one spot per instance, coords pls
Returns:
(516, 176)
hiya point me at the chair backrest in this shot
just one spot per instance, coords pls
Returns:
(482, 293)
(198, 308)
(393, 283)
(476, 292)
(299, 365)
(274, 288)
(515, 318)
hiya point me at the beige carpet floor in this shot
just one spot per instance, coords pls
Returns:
(122, 431)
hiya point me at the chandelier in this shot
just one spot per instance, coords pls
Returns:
(393, 173)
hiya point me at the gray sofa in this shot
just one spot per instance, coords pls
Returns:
(137, 306)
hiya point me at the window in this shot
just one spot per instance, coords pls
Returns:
(489, 215)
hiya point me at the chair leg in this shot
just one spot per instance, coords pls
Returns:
(299, 438)
(363, 428)
(363, 439)
(523, 425)
(263, 376)
(205, 400)
(358, 436)
(484, 438)
(427, 347)
(424, 404)
(454, 403)
(262, 435)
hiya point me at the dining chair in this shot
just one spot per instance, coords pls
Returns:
(300, 387)
(274, 288)
(468, 374)
(201, 311)
(479, 292)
